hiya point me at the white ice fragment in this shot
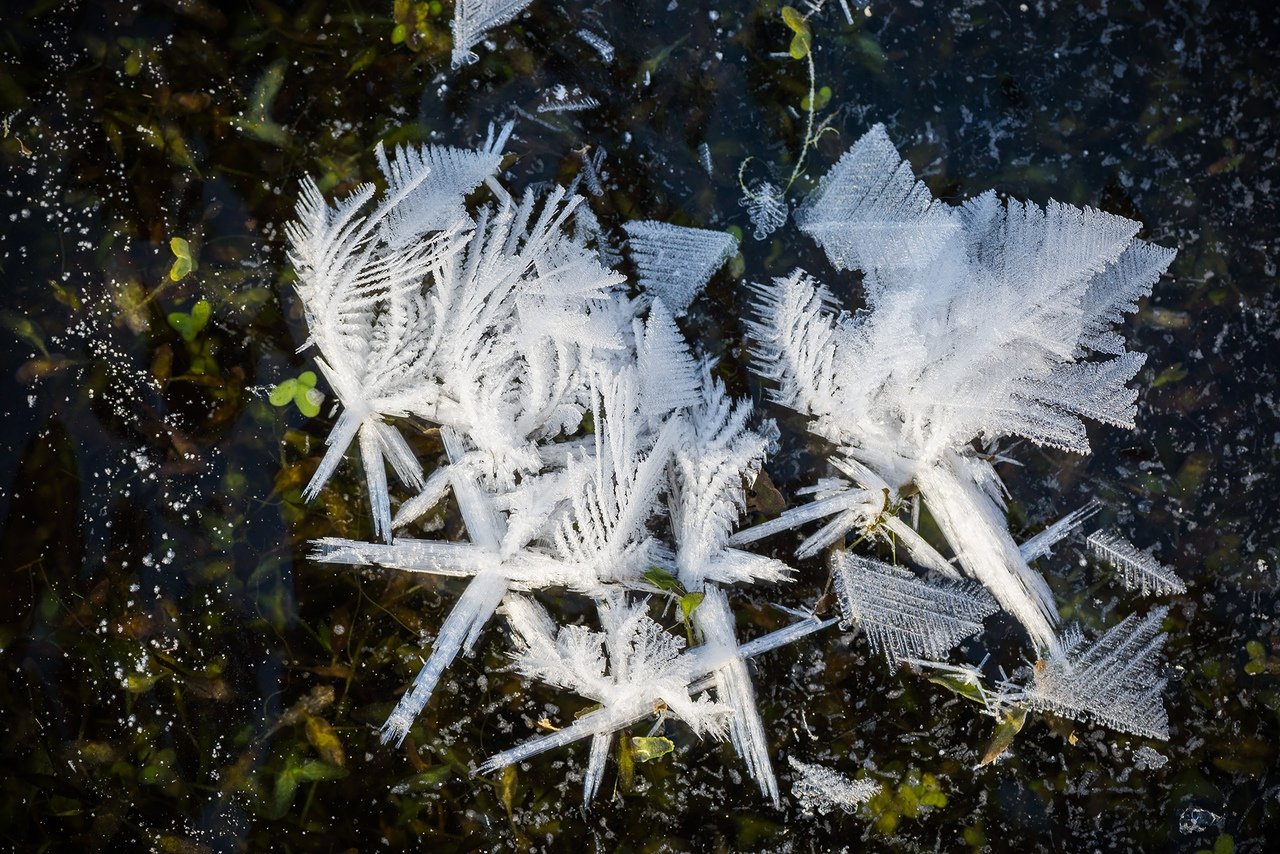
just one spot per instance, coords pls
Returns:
(821, 790)
(1111, 680)
(1042, 543)
(472, 21)
(1145, 758)
(906, 616)
(598, 44)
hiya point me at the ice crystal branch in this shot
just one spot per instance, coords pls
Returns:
(1111, 680)
(820, 790)
(675, 262)
(472, 21)
(486, 325)
(591, 533)
(1138, 570)
(905, 616)
(646, 668)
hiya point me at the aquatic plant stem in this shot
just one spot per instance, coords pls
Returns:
(804, 146)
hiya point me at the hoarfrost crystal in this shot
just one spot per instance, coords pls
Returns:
(472, 21)
(820, 790)
(1111, 680)
(905, 616)
(1139, 570)
(977, 324)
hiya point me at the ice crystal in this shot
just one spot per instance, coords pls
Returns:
(675, 262)
(979, 321)
(473, 19)
(1111, 680)
(821, 790)
(1138, 570)
(905, 616)
(633, 669)
(766, 208)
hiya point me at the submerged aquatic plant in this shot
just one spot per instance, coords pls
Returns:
(765, 201)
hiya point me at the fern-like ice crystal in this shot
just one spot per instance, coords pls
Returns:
(906, 616)
(979, 324)
(1111, 680)
(1138, 570)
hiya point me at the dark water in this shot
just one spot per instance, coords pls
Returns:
(177, 676)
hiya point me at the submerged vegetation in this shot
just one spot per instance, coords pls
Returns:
(179, 673)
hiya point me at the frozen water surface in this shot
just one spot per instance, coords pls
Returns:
(177, 674)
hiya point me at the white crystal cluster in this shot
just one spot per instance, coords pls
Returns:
(590, 453)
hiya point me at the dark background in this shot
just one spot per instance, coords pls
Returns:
(175, 675)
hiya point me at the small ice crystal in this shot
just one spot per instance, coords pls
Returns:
(820, 790)
(1195, 819)
(1145, 758)
(766, 207)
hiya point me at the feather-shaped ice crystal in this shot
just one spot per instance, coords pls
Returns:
(979, 324)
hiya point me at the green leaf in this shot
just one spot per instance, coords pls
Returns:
(429, 779)
(933, 799)
(795, 21)
(663, 580)
(140, 683)
(308, 401)
(960, 685)
(315, 771)
(63, 807)
(159, 767)
(290, 778)
(364, 60)
(1010, 725)
(647, 748)
(325, 740)
(184, 263)
(507, 788)
(689, 603)
(301, 391)
(626, 765)
(286, 786)
(23, 327)
(1172, 374)
(200, 313)
(821, 98)
(189, 325)
(283, 393)
(800, 46)
(803, 38)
